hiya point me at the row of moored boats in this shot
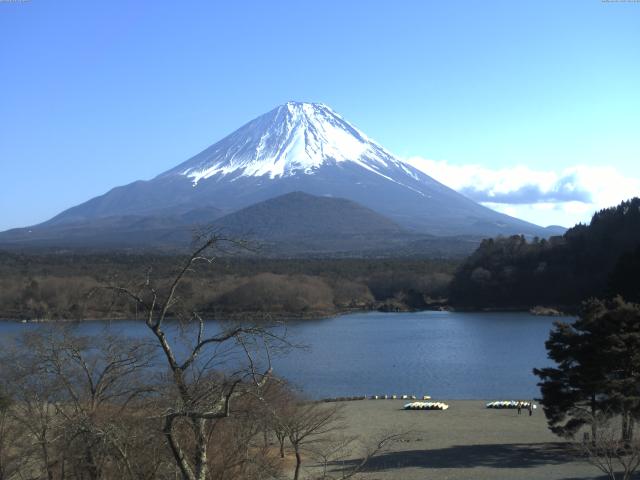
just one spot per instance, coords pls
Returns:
(426, 406)
(523, 404)
(510, 404)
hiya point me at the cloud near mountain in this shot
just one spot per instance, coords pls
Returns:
(566, 189)
(568, 196)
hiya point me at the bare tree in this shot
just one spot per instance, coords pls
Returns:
(200, 397)
(74, 400)
(240, 451)
(12, 439)
(279, 403)
(614, 456)
(307, 424)
(33, 410)
(338, 452)
(99, 378)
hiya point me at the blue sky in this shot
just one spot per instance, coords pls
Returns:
(530, 107)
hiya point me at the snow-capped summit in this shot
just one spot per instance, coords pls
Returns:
(296, 137)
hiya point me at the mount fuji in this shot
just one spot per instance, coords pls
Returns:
(296, 147)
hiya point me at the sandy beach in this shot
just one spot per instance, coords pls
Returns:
(467, 441)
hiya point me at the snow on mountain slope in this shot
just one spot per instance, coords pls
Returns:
(294, 138)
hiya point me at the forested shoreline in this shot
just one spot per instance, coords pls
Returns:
(601, 260)
(75, 286)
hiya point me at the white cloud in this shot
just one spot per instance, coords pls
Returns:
(545, 197)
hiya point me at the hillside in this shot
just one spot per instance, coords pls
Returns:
(161, 231)
(601, 259)
(299, 224)
(299, 214)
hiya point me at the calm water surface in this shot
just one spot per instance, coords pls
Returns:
(443, 354)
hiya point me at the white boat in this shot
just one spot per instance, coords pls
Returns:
(426, 406)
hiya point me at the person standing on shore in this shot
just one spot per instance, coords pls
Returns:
(530, 408)
(519, 407)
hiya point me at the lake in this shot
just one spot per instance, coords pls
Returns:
(448, 355)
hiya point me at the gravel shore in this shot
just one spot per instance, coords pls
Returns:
(467, 441)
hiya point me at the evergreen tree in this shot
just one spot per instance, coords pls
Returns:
(598, 369)
(619, 329)
(624, 277)
(572, 391)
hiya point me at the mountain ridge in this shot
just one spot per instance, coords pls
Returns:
(296, 147)
(292, 225)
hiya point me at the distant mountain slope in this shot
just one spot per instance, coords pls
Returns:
(113, 232)
(303, 147)
(299, 223)
(292, 225)
(299, 214)
(599, 259)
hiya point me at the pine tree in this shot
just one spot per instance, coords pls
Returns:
(619, 329)
(598, 369)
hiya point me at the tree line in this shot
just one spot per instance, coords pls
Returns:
(59, 286)
(601, 260)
